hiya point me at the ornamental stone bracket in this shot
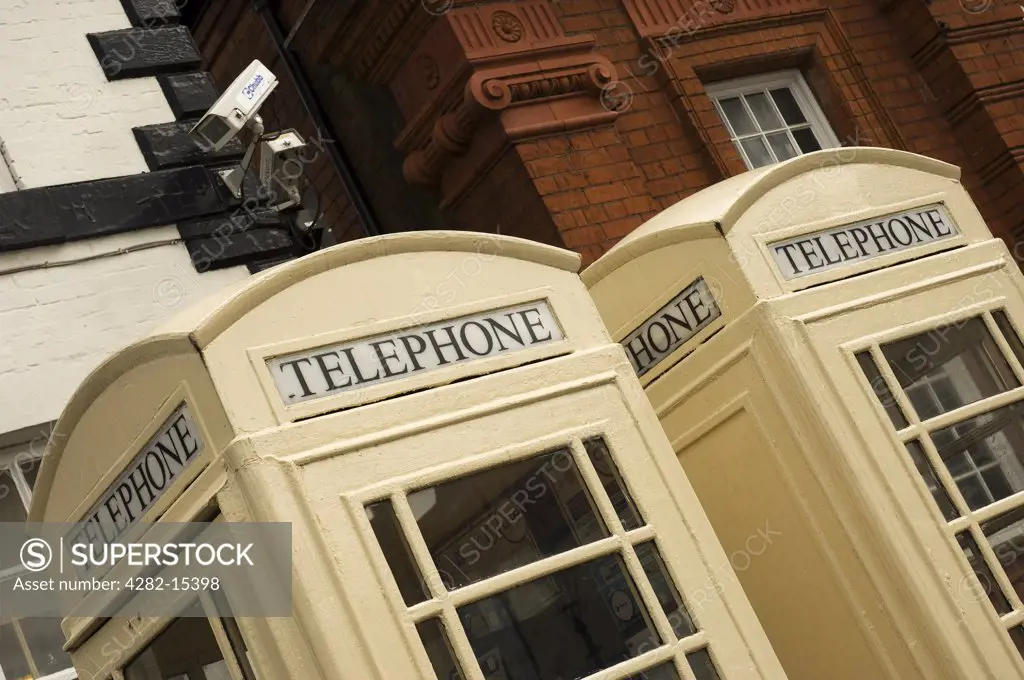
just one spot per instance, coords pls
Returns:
(489, 75)
(530, 100)
(469, 77)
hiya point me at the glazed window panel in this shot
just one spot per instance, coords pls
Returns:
(396, 550)
(772, 118)
(569, 609)
(973, 466)
(931, 480)
(986, 579)
(949, 367)
(439, 649)
(493, 521)
(985, 455)
(591, 618)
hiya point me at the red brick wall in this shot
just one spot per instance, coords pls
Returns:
(654, 156)
(877, 83)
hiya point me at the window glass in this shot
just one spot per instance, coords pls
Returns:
(737, 117)
(1006, 536)
(439, 650)
(986, 580)
(786, 102)
(702, 665)
(396, 551)
(985, 454)
(772, 118)
(570, 624)
(665, 589)
(12, 508)
(924, 467)
(807, 140)
(666, 671)
(13, 660)
(1017, 635)
(45, 641)
(1010, 333)
(764, 112)
(757, 152)
(881, 389)
(782, 146)
(187, 648)
(493, 521)
(613, 483)
(949, 367)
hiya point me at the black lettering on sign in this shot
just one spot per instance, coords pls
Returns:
(325, 371)
(175, 446)
(833, 248)
(668, 329)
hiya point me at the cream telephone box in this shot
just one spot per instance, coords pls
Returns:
(476, 485)
(832, 346)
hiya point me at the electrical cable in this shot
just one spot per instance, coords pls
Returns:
(89, 258)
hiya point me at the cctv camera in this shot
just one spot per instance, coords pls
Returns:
(235, 108)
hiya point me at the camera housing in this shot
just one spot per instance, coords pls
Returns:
(234, 110)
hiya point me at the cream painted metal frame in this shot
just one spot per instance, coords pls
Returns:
(601, 408)
(923, 311)
(774, 404)
(314, 468)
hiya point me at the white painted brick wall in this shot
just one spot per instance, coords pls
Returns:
(60, 118)
(58, 324)
(63, 122)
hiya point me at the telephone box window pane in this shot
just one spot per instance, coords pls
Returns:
(1006, 536)
(950, 367)
(613, 483)
(931, 480)
(668, 596)
(1017, 635)
(567, 625)
(881, 389)
(702, 665)
(12, 656)
(439, 650)
(666, 671)
(985, 578)
(506, 517)
(1012, 338)
(984, 454)
(45, 641)
(187, 648)
(396, 551)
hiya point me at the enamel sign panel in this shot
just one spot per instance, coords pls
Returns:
(849, 244)
(324, 371)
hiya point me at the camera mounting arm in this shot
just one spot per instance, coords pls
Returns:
(235, 177)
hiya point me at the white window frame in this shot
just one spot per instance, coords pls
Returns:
(791, 79)
(12, 461)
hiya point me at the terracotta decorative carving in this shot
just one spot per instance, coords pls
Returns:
(508, 26)
(723, 6)
(495, 91)
(429, 71)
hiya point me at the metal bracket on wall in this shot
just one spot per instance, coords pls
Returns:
(10, 176)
